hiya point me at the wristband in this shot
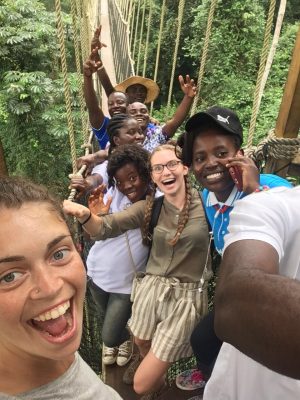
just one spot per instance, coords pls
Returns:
(88, 218)
(261, 188)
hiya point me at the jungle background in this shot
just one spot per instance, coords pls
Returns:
(33, 125)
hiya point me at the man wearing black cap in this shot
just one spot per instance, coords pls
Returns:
(212, 148)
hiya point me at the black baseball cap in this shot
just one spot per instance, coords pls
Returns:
(223, 117)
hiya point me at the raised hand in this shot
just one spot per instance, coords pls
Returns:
(80, 184)
(248, 170)
(96, 40)
(93, 63)
(89, 161)
(188, 86)
(96, 201)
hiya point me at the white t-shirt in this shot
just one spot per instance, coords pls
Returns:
(112, 263)
(236, 376)
(101, 169)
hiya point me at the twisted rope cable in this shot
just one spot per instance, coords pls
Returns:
(120, 42)
(79, 76)
(136, 28)
(60, 32)
(162, 17)
(141, 37)
(131, 61)
(85, 31)
(132, 21)
(179, 23)
(147, 37)
(263, 59)
(87, 146)
(128, 11)
(274, 147)
(210, 18)
(81, 30)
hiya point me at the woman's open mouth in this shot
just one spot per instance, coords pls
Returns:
(168, 182)
(57, 324)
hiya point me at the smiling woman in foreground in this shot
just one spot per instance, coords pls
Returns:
(42, 287)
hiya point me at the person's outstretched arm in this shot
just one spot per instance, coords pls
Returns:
(189, 89)
(96, 115)
(101, 72)
(256, 309)
(90, 222)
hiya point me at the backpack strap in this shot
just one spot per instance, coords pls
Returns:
(158, 202)
(157, 205)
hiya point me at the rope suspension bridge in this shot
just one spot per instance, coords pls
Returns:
(126, 31)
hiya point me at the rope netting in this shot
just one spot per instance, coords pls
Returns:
(179, 23)
(204, 54)
(263, 59)
(274, 147)
(119, 29)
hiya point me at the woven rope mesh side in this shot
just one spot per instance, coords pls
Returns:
(91, 342)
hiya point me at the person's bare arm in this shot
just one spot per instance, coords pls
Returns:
(96, 115)
(257, 310)
(90, 222)
(101, 72)
(189, 89)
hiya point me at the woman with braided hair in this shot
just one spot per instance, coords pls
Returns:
(121, 129)
(171, 297)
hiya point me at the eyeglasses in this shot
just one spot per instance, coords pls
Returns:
(171, 165)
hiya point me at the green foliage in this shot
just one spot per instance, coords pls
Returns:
(33, 124)
(233, 55)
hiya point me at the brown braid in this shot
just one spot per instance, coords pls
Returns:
(147, 219)
(184, 214)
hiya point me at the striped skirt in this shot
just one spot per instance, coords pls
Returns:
(166, 311)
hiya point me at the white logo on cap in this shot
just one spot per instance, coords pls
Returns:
(222, 119)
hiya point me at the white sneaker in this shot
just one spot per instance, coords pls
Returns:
(109, 355)
(125, 353)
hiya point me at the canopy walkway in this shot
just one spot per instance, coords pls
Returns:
(125, 30)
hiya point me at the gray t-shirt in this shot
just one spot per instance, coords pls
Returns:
(78, 382)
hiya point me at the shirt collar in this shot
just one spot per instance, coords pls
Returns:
(234, 195)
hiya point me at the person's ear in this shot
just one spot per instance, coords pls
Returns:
(185, 170)
(116, 140)
(240, 152)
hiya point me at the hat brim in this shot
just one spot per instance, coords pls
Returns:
(200, 118)
(150, 85)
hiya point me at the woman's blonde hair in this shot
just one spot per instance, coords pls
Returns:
(184, 214)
